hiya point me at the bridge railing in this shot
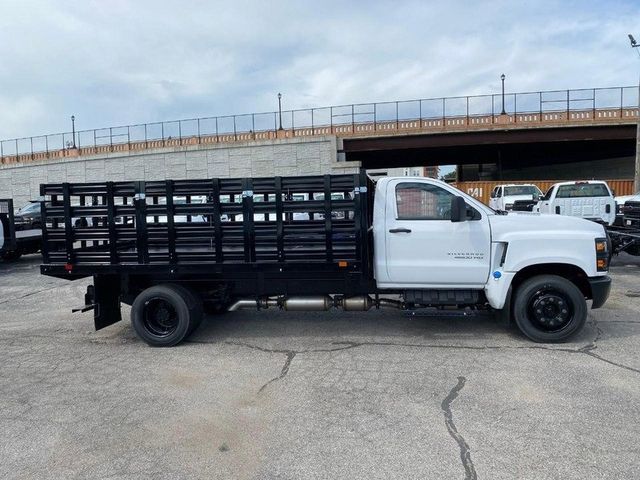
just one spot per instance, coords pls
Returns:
(359, 118)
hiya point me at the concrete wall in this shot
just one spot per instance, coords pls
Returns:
(298, 156)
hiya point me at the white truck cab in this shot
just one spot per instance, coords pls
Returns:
(429, 235)
(592, 200)
(503, 196)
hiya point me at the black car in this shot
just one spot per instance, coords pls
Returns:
(28, 217)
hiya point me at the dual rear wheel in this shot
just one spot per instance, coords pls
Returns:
(164, 315)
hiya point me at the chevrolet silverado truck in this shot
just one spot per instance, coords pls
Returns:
(403, 243)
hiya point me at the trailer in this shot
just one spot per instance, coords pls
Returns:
(314, 243)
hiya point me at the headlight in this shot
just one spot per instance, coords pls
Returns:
(602, 255)
(508, 206)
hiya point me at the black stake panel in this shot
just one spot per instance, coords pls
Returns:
(283, 222)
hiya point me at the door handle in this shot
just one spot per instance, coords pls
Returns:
(400, 230)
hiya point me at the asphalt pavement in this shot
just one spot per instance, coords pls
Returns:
(336, 395)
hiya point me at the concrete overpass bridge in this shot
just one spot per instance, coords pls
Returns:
(519, 130)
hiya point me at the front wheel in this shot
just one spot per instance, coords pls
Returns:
(164, 315)
(549, 309)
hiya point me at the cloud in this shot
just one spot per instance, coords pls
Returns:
(126, 61)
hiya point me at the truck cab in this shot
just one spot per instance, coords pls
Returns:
(503, 197)
(592, 200)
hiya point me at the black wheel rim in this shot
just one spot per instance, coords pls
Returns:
(160, 317)
(550, 310)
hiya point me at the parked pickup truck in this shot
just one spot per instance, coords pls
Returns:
(18, 236)
(405, 243)
(592, 200)
(503, 197)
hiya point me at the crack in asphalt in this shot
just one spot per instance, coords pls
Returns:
(465, 451)
(348, 344)
(283, 373)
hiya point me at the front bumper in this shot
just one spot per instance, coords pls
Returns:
(600, 288)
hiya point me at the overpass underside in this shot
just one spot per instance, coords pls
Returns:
(605, 151)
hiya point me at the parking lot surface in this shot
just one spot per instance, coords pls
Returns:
(281, 395)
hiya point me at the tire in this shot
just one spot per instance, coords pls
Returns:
(164, 315)
(11, 256)
(549, 309)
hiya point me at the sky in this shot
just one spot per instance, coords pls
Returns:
(121, 62)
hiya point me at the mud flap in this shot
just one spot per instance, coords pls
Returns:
(505, 314)
(106, 299)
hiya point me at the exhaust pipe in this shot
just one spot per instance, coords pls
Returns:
(243, 304)
(319, 303)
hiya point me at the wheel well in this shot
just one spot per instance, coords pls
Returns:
(572, 273)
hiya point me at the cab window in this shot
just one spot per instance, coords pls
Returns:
(422, 201)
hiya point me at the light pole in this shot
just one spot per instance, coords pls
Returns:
(636, 172)
(280, 110)
(502, 77)
(73, 130)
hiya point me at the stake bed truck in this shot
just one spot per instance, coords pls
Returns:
(315, 243)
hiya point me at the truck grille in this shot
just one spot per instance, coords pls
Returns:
(632, 209)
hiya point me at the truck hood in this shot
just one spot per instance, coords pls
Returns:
(622, 199)
(543, 226)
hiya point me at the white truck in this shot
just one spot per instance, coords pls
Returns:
(417, 243)
(592, 200)
(503, 197)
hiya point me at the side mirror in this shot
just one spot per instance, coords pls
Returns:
(458, 209)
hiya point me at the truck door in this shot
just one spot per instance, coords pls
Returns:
(423, 246)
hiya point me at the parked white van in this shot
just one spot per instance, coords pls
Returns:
(504, 196)
(592, 200)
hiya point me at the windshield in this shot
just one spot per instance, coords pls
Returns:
(522, 190)
(31, 208)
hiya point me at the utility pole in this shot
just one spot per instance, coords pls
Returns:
(636, 173)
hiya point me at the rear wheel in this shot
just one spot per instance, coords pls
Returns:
(549, 308)
(164, 315)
